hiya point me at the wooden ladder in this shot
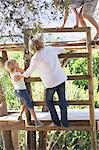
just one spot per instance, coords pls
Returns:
(89, 77)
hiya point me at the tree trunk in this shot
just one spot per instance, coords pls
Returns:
(10, 138)
(30, 135)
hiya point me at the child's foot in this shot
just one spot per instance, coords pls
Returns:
(38, 123)
(20, 118)
(96, 36)
(29, 124)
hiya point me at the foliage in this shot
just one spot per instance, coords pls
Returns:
(79, 66)
(1, 142)
(75, 140)
(66, 140)
(15, 15)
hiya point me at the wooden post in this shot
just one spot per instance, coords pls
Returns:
(7, 138)
(91, 92)
(43, 134)
(30, 136)
(6, 135)
(4, 56)
(15, 140)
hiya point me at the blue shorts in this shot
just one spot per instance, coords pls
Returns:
(23, 95)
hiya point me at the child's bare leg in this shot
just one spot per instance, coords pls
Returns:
(81, 19)
(94, 23)
(37, 122)
(22, 109)
(77, 17)
(33, 114)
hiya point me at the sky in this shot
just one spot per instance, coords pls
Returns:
(70, 23)
(57, 23)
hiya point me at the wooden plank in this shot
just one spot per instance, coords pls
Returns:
(76, 77)
(6, 126)
(68, 44)
(73, 55)
(69, 102)
(91, 93)
(21, 126)
(11, 47)
(50, 30)
(73, 115)
(46, 128)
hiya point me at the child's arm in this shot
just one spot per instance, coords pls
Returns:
(18, 77)
(77, 17)
(20, 70)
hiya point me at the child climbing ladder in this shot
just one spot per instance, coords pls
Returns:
(87, 10)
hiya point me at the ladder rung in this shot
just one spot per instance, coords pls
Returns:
(76, 77)
(46, 128)
(73, 55)
(69, 102)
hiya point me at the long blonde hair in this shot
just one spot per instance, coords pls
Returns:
(9, 65)
(36, 45)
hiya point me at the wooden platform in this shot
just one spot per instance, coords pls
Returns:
(78, 119)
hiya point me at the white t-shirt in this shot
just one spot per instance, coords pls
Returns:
(19, 85)
(47, 64)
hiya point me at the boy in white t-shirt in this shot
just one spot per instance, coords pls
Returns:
(45, 61)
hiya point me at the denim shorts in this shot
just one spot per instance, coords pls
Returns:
(89, 7)
(23, 95)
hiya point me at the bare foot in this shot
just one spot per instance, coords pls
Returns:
(38, 123)
(29, 124)
(76, 26)
(96, 36)
(52, 125)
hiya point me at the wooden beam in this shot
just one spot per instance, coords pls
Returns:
(6, 135)
(73, 55)
(46, 128)
(73, 45)
(68, 44)
(50, 30)
(76, 77)
(91, 92)
(69, 102)
(11, 47)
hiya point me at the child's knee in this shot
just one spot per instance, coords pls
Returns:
(85, 15)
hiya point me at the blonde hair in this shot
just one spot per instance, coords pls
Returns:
(36, 45)
(9, 65)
